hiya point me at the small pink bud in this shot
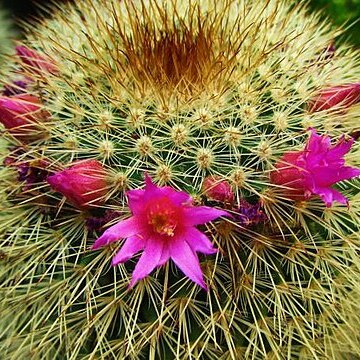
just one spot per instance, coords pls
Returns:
(338, 96)
(36, 62)
(290, 175)
(215, 188)
(83, 184)
(20, 113)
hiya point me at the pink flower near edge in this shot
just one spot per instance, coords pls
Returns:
(341, 96)
(83, 184)
(315, 169)
(19, 113)
(36, 62)
(163, 225)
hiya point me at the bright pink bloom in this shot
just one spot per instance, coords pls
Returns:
(83, 184)
(315, 169)
(218, 189)
(164, 226)
(36, 62)
(337, 96)
(21, 112)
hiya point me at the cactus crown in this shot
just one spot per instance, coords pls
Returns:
(185, 92)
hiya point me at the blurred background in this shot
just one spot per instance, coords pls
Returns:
(339, 11)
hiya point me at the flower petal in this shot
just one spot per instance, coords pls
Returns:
(341, 148)
(198, 241)
(131, 246)
(201, 214)
(177, 197)
(140, 198)
(122, 229)
(317, 143)
(348, 172)
(329, 195)
(327, 176)
(149, 185)
(135, 201)
(316, 149)
(165, 256)
(148, 261)
(187, 261)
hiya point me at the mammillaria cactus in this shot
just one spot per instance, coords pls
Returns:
(183, 187)
(5, 32)
(5, 47)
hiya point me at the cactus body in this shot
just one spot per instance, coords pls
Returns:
(205, 98)
(5, 48)
(5, 33)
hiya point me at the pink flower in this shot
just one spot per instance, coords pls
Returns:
(315, 169)
(337, 96)
(164, 226)
(36, 62)
(20, 113)
(83, 184)
(215, 188)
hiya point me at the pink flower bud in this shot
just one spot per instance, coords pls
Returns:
(83, 184)
(37, 63)
(215, 188)
(20, 113)
(338, 96)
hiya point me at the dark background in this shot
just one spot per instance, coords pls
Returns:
(339, 11)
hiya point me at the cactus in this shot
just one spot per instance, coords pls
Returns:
(211, 103)
(5, 33)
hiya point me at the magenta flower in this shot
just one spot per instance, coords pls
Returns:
(19, 113)
(164, 226)
(218, 189)
(83, 184)
(337, 96)
(315, 169)
(36, 62)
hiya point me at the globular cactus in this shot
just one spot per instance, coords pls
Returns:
(241, 119)
(5, 33)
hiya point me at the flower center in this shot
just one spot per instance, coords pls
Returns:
(162, 216)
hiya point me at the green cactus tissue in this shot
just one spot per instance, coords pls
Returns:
(5, 32)
(181, 182)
